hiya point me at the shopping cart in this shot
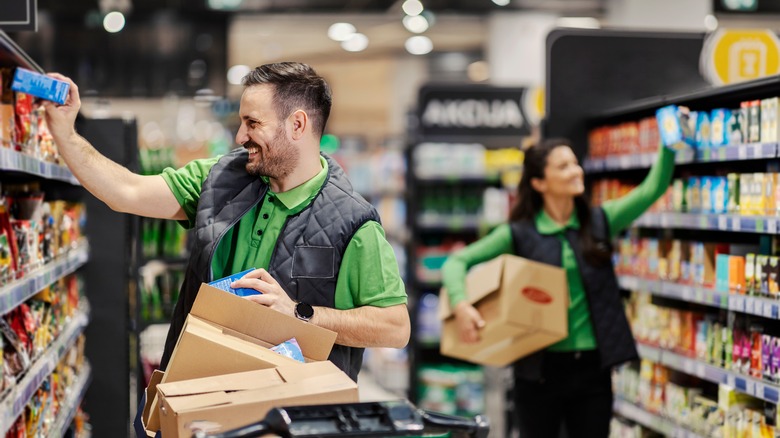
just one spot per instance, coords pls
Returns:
(369, 419)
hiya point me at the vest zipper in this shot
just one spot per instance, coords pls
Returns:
(232, 224)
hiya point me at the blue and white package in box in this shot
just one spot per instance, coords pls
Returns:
(224, 284)
(39, 85)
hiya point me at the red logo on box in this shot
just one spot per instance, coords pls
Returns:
(537, 295)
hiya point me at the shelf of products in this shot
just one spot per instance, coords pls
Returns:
(711, 222)
(652, 421)
(727, 142)
(740, 152)
(70, 405)
(753, 305)
(41, 242)
(748, 385)
(17, 292)
(14, 401)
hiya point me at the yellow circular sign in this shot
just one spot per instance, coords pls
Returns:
(533, 104)
(736, 55)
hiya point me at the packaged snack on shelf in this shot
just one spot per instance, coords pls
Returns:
(733, 190)
(703, 134)
(718, 128)
(769, 109)
(677, 126)
(754, 122)
(750, 273)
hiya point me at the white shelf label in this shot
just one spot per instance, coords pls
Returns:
(686, 293)
(768, 310)
(742, 152)
(736, 224)
(771, 226)
(758, 307)
(723, 223)
(749, 305)
(758, 150)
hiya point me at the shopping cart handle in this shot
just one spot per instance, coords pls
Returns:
(388, 418)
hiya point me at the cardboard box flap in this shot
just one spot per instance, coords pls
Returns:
(226, 382)
(483, 279)
(184, 403)
(151, 396)
(253, 319)
(293, 374)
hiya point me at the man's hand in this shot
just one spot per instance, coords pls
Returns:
(61, 118)
(271, 293)
(469, 321)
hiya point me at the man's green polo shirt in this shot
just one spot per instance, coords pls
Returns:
(369, 272)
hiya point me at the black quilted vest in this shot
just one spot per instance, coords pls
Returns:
(307, 255)
(614, 339)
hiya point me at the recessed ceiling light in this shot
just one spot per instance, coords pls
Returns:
(341, 31)
(236, 73)
(415, 23)
(501, 2)
(412, 7)
(356, 43)
(114, 22)
(419, 45)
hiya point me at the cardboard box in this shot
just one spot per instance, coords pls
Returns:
(225, 334)
(234, 400)
(524, 305)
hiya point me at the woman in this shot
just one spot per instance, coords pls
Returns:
(567, 384)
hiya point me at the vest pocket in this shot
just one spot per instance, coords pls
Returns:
(314, 262)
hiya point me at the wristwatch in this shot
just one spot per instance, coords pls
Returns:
(304, 311)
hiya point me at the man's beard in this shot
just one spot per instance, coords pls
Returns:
(276, 161)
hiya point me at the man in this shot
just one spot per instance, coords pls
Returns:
(276, 204)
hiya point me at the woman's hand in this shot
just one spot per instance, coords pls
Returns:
(469, 321)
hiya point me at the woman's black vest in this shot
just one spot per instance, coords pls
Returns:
(308, 252)
(613, 334)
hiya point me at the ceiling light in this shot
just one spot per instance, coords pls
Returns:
(341, 31)
(356, 43)
(412, 7)
(236, 73)
(415, 23)
(501, 2)
(114, 22)
(419, 45)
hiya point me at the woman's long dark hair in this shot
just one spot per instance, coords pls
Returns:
(530, 202)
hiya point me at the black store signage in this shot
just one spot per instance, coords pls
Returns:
(19, 15)
(472, 111)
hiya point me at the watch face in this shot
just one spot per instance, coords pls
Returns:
(304, 311)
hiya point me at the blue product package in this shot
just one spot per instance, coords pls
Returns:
(224, 284)
(40, 85)
(703, 135)
(669, 125)
(719, 131)
(291, 349)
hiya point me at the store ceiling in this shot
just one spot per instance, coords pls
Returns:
(74, 8)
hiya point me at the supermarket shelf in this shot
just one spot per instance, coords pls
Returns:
(740, 152)
(71, 404)
(652, 421)
(17, 292)
(19, 162)
(634, 161)
(710, 221)
(14, 402)
(711, 97)
(684, 292)
(454, 223)
(748, 385)
(12, 55)
(456, 179)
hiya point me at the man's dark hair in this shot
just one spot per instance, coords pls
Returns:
(296, 86)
